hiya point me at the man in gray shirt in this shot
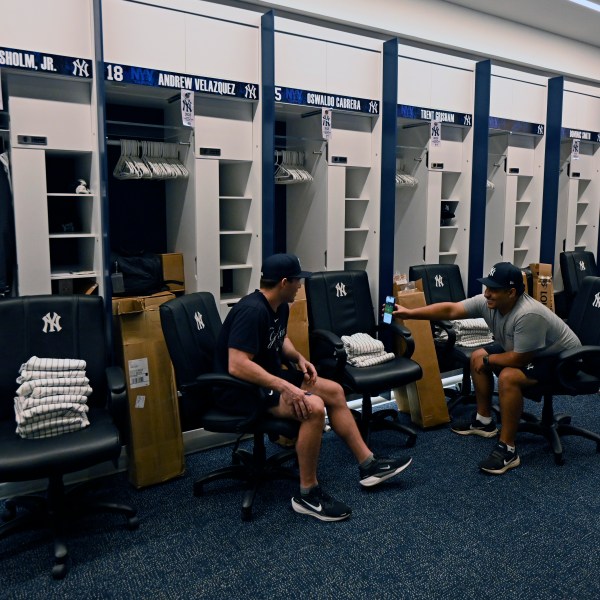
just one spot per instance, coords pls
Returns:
(527, 338)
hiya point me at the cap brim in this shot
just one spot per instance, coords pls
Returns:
(490, 283)
(303, 275)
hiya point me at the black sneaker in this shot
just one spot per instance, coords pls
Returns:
(475, 427)
(381, 469)
(320, 505)
(500, 460)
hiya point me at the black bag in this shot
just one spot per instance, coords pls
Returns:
(137, 275)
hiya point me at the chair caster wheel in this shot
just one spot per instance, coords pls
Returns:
(246, 513)
(59, 571)
(411, 441)
(10, 510)
(132, 523)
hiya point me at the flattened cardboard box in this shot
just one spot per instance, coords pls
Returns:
(155, 448)
(543, 289)
(297, 329)
(172, 266)
(426, 403)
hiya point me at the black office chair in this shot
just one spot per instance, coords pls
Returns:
(443, 283)
(191, 326)
(339, 303)
(574, 267)
(58, 327)
(577, 372)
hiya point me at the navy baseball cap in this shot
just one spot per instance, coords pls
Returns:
(504, 275)
(282, 266)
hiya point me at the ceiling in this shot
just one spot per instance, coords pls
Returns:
(556, 16)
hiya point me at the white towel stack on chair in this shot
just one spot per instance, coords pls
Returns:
(364, 351)
(472, 332)
(52, 397)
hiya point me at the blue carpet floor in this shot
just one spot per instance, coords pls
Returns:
(440, 530)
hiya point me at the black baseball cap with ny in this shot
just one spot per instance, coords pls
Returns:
(282, 266)
(504, 275)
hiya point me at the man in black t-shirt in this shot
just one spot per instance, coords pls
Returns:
(252, 346)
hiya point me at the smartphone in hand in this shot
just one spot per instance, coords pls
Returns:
(388, 309)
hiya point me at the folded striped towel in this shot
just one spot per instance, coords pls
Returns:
(364, 351)
(53, 364)
(71, 374)
(472, 332)
(37, 388)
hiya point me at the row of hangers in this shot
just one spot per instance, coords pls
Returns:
(149, 160)
(405, 180)
(290, 167)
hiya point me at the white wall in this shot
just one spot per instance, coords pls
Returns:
(446, 25)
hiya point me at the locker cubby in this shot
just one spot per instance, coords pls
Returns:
(71, 257)
(233, 178)
(433, 209)
(234, 249)
(234, 284)
(514, 203)
(234, 212)
(578, 201)
(70, 214)
(64, 169)
(354, 217)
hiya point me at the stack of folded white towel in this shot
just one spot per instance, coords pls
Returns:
(364, 351)
(472, 332)
(52, 397)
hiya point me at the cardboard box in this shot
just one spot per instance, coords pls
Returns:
(172, 265)
(425, 399)
(543, 289)
(155, 450)
(297, 329)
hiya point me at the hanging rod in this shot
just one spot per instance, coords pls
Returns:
(110, 142)
(298, 138)
(132, 124)
(422, 148)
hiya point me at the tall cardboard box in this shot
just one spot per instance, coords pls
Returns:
(297, 329)
(543, 289)
(155, 448)
(426, 400)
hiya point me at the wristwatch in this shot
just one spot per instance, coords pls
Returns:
(486, 360)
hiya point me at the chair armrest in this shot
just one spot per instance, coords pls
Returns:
(327, 345)
(572, 362)
(448, 327)
(401, 331)
(117, 399)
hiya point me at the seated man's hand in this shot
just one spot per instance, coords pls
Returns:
(310, 373)
(296, 398)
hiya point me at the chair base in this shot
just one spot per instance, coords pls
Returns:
(53, 511)
(381, 420)
(254, 469)
(553, 427)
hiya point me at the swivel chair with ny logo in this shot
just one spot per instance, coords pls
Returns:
(339, 304)
(443, 283)
(53, 327)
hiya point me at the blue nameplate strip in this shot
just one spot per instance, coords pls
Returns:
(166, 79)
(516, 126)
(321, 100)
(53, 64)
(580, 134)
(420, 113)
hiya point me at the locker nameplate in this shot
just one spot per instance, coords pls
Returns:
(209, 151)
(32, 140)
(51, 64)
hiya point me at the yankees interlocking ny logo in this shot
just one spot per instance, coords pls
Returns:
(51, 323)
(596, 302)
(373, 107)
(439, 281)
(80, 68)
(492, 271)
(340, 290)
(581, 265)
(199, 321)
(250, 91)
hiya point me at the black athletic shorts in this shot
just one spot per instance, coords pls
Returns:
(540, 369)
(235, 403)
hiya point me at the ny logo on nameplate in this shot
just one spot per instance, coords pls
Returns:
(326, 123)
(187, 107)
(436, 133)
